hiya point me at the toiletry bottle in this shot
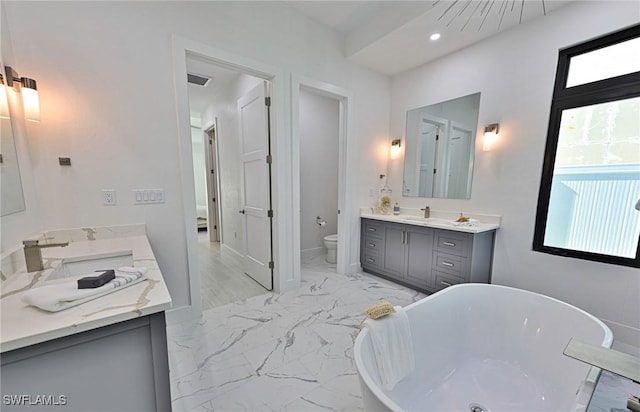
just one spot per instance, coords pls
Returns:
(396, 209)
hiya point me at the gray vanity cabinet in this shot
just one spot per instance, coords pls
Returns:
(398, 252)
(425, 258)
(119, 367)
(418, 241)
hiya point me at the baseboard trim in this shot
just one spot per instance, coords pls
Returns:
(180, 314)
(313, 252)
(231, 250)
(354, 268)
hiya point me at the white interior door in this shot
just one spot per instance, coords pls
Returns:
(214, 225)
(256, 187)
(459, 158)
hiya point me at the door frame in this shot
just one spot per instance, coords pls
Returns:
(347, 224)
(212, 162)
(285, 278)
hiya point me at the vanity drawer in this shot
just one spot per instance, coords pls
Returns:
(452, 264)
(370, 260)
(372, 244)
(444, 280)
(373, 229)
(453, 243)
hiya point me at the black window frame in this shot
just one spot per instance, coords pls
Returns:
(601, 91)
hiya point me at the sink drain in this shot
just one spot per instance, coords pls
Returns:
(474, 407)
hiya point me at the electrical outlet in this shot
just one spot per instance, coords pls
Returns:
(108, 197)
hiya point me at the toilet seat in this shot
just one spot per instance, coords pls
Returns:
(331, 238)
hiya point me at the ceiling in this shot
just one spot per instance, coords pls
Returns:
(391, 37)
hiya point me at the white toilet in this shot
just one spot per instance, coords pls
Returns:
(331, 243)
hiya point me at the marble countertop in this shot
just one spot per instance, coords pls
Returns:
(437, 220)
(23, 325)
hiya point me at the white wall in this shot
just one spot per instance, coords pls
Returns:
(515, 73)
(199, 170)
(319, 118)
(104, 72)
(17, 226)
(224, 106)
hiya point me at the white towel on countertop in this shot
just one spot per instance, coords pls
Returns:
(392, 346)
(65, 295)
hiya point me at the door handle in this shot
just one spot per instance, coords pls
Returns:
(241, 211)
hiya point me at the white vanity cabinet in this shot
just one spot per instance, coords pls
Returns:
(425, 258)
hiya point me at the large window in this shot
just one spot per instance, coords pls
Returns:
(590, 189)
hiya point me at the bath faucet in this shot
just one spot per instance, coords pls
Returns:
(33, 253)
(427, 212)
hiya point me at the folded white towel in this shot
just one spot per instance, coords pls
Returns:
(392, 347)
(65, 295)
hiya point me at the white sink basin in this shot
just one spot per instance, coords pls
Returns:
(418, 219)
(82, 265)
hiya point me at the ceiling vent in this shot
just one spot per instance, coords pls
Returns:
(197, 79)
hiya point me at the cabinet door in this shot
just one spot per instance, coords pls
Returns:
(419, 256)
(393, 262)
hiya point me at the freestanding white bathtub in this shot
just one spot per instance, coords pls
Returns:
(488, 348)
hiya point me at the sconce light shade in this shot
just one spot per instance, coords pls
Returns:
(395, 148)
(4, 103)
(30, 100)
(490, 137)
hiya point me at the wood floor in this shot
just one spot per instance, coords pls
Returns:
(222, 278)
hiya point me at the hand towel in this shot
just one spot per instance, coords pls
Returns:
(392, 347)
(65, 295)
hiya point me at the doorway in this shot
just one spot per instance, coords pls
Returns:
(235, 241)
(346, 222)
(319, 118)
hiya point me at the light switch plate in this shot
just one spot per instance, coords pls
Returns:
(148, 196)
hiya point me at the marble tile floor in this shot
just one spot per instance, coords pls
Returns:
(287, 352)
(293, 351)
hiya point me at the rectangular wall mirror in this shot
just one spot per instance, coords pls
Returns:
(440, 147)
(11, 195)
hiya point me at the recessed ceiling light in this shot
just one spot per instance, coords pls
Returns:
(435, 36)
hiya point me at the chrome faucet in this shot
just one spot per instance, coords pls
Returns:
(427, 212)
(33, 253)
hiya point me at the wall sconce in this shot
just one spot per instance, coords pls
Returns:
(395, 148)
(4, 103)
(490, 137)
(29, 89)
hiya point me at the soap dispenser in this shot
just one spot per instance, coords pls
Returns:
(396, 209)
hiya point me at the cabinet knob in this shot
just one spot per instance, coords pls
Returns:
(448, 264)
(371, 260)
(450, 244)
(371, 244)
(371, 229)
(445, 284)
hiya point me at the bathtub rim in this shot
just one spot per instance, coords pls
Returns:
(583, 396)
